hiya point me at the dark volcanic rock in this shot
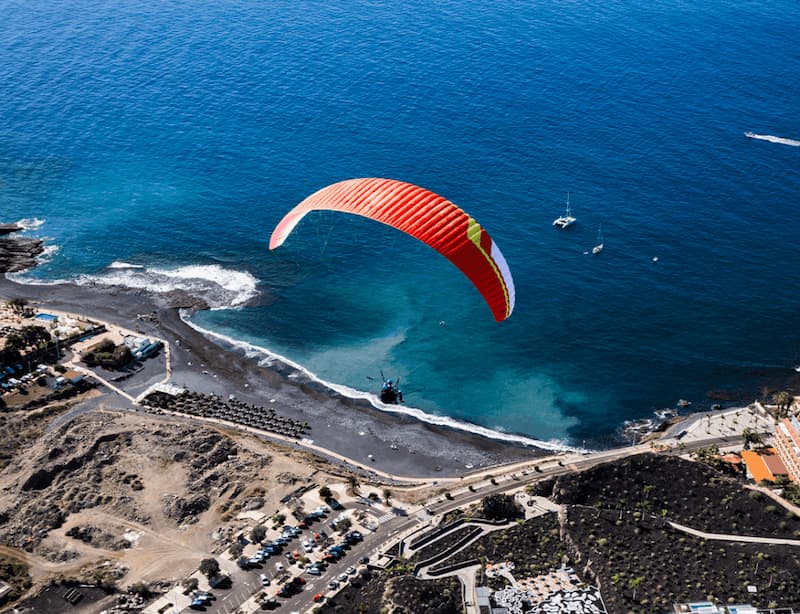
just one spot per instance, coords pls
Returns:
(17, 254)
(7, 229)
(186, 510)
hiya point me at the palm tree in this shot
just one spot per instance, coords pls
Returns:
(17, 305)
(353, 485)
(387, 496)
(751, 438)
(783, 400)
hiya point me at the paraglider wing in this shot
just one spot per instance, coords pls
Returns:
(432, 219)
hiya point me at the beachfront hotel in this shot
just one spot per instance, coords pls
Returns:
(787, 444)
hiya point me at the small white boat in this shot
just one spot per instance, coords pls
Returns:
(566, 219)
(599, 247)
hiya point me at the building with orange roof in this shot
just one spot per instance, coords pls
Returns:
(761, 466)
(787, 443)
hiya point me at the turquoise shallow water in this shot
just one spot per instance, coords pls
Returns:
(174, 136)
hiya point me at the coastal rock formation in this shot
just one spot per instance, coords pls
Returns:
(16, 253)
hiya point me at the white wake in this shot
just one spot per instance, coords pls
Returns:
(773, 139)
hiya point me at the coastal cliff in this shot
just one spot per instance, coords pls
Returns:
(17, 253)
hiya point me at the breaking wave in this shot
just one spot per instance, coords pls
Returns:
(268, 358)
(48, 252)
(773, 139)
(117, 264)
(29, 223)
(220, 288)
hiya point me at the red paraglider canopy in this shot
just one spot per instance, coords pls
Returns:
(431, 218)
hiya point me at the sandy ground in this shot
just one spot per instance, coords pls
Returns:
(398, 444)
(161, 549)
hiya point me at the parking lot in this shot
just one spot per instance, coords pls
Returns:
(293, 564)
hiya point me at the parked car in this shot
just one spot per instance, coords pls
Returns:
(279, 566)
(333, 585)
(264, 579)
(314, 571)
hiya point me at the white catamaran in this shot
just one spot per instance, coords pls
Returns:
(566, 219)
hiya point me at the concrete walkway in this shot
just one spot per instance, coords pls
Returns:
(736, 538)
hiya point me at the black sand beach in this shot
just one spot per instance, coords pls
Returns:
(399, 444)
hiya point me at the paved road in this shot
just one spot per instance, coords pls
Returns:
(246, 583)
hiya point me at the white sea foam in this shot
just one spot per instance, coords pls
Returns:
(46, 256)
(117, 264)
(29, 223)
(270, 358)
(773, 139)
(220, 288)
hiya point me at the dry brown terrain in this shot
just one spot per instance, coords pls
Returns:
(148, 494)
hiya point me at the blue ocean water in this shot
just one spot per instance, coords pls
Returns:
(174, 135)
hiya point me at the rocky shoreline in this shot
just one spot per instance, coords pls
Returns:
(17, 253)
(350, 432)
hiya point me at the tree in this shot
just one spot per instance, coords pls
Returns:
(258, 533)
(34, 335)
(189, 584)
(236, 548)
(344, 525)
(751, 438)
(353, 486)
(387, 496)
(140, 588)
(17, 305)
(209, 567)
(783, 399)
(325, 493)
(15, 342)
(500, 507)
